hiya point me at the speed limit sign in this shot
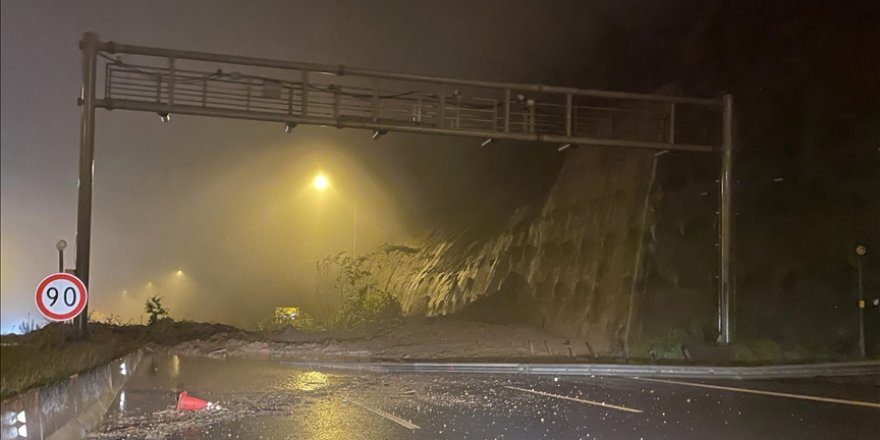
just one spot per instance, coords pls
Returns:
(61, 296)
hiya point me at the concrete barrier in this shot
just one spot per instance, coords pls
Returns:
(67, 409)
(860, 368)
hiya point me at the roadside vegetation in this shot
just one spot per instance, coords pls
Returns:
(364, 294)
(52, 353)
(697, 345)
(360, 287)
(155, 310)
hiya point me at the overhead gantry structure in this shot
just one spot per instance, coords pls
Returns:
(171, 82)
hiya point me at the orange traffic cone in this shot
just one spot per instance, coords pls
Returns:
(185, 402)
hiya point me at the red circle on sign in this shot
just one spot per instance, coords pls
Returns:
(83, 297)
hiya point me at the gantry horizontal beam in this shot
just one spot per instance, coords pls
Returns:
(111, 104)
(187, 82)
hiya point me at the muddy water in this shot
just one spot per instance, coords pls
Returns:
(163, 376)
(260, 399)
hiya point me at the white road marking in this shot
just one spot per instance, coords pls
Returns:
(575, 399)
(766, 393)
(392, 417)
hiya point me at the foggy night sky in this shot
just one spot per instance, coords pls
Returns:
(227, 202)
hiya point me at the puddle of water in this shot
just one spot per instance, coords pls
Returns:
(161, 377)
(326, 419)
(306, 381)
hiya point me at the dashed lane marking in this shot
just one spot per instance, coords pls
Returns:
(766, 393)
(575, 399)
(405, 423)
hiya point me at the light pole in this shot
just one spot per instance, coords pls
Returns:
(321, 183)
(861, 251)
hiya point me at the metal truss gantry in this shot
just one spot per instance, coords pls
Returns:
(167, 82)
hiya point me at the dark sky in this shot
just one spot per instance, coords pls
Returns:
(227, 202)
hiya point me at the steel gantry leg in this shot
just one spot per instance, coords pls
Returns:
(89, 47)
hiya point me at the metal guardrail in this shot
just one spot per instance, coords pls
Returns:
(864, 368)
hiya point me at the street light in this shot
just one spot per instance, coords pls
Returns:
(320, 183)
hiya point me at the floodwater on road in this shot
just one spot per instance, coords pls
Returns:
(265, 399)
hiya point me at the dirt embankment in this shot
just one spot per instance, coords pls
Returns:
(416, 339)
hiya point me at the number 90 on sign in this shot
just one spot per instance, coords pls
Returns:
(61, 297)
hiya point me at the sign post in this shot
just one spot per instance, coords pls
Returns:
(61, 297)
(60, 246)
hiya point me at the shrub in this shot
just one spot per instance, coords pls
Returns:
(364, 296)
(668, 346)
(369, 307)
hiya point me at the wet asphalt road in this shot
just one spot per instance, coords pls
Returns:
(325, 405)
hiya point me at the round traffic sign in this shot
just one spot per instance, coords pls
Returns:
(61, 296)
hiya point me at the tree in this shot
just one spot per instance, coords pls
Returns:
(155, 309)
